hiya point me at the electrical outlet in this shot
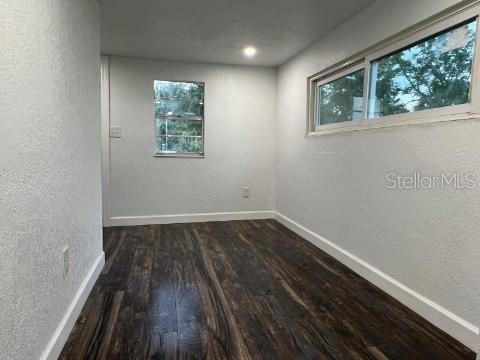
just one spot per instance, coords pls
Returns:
(66, 261)
(115, 132)
(246, 191)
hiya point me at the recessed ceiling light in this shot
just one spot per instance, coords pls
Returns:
(249, 51)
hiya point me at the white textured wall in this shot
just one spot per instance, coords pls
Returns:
(50, 189)
(335, 184)
(239, 141)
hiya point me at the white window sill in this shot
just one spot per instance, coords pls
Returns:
(389, 121)
(185, 156)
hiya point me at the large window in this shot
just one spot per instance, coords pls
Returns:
(179, 120)
(421, 76)
(434, 73)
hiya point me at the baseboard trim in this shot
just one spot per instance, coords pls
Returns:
(453, 325)
(189, 218)
(55, 346)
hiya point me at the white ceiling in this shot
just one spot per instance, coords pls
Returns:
(216, 31)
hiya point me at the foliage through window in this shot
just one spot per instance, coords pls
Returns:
(341, 99)
(179, 117)
(430, 68)
(431, 74)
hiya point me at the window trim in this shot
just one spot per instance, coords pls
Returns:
(196, 118)
(446, 19)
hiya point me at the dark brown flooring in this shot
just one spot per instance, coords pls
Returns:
(241, 290)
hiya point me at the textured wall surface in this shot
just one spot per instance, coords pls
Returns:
(50, 189)
(335, 184)
(239, 141)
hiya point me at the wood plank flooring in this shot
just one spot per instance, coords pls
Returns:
(241, 290)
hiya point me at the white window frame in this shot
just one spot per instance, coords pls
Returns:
(196, 118)
(449, 18)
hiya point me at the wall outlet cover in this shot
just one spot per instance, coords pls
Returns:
(246, 191)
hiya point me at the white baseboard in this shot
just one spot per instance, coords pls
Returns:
(189, 218)
(55, 346)
(453, 325)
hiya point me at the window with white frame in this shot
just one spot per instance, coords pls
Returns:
(422, 75)
(179, 118)
(340, 99)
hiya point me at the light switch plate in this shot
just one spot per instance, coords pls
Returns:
(115, 132)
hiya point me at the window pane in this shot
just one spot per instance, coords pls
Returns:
(178, 127)
(179, 107)
(430, 74)
(341, 100)
(178, 117)
(175, 145)
(177, 89)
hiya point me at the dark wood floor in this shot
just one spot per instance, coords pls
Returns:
(241, 290)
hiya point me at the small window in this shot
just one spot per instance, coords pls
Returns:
(432, 73)
(179, 118)
(340, 100)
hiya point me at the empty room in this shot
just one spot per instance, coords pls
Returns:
(236, 180)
